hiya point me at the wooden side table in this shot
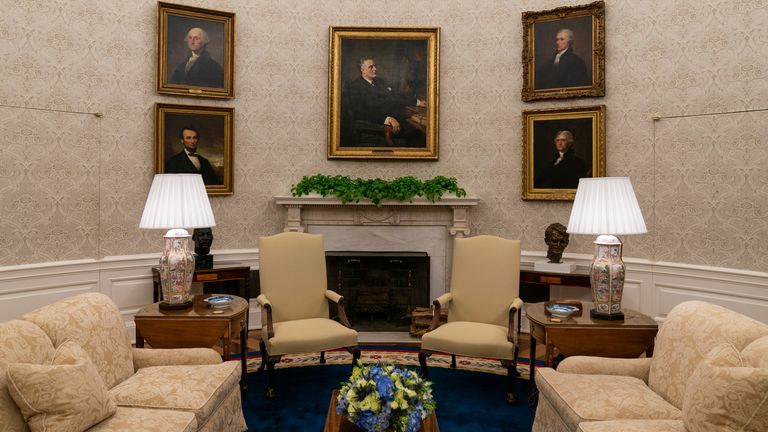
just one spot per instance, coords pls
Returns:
(582, 335)
(215, 274)
(546, 278)
(333, 421)
(197, 327)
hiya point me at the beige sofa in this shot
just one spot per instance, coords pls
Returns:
(709, 372)
(73, 359)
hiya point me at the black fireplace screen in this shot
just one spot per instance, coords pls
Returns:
(380, 288)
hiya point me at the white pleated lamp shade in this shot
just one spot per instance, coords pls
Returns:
(606, 205)
(177, 201)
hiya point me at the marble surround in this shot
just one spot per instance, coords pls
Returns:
(418, 226)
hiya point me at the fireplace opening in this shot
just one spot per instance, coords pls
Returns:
(380, 289)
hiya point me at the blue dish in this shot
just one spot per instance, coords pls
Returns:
(561, 310)
(220, 301)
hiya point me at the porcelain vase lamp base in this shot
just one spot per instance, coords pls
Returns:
(607, 279)
(177, 266)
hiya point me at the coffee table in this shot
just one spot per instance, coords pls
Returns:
(582, 335)
(334, 423)
(197, 327)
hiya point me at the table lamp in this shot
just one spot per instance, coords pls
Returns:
(175, 202)
(606, 206)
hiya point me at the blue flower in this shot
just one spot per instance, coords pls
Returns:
(381, 398)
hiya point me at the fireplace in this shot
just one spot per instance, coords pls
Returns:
(393, 226)
(380, 288)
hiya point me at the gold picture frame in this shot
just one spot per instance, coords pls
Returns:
(392, 111)
(551, 169)
(564, 52)
(211, 129)
(210, 35)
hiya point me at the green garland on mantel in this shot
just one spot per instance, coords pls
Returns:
(400, 189)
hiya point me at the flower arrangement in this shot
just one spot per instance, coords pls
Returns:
(379, 398)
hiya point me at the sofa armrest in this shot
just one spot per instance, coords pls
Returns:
(635, 367)
(146, 357)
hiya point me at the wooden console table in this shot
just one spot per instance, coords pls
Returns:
(197, 327)
(546, 278)
(215, 274)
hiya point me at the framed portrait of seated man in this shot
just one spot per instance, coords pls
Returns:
(383, 93)
(564, 52)
(196, 140)
(560, 146)
(195, 51)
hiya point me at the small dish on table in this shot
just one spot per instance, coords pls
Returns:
(561, 310)
(219, 301)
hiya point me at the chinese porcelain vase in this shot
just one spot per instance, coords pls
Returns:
(177, 266)
(607, 277)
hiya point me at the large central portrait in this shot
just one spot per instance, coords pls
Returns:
(383, 93)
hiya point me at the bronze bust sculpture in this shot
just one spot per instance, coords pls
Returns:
(556, 237)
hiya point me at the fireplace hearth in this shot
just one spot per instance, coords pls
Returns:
(380, 288)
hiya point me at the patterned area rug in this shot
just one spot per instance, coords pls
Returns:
(392, 355)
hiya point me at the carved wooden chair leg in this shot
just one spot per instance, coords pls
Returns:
(263, 349)
(514, 362)
(423, 362)
(511, 373)
(355, 351)
(322, 357)
(272, 360)
(453, 361)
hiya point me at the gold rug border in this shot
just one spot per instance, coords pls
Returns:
(405, 358)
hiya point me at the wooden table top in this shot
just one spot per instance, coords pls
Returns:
(199, 309)
(536, 313)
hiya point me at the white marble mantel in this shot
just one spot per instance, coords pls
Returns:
(451, 212)
(420, 225)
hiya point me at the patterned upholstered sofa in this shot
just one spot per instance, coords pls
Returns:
(71, 363)
(709, 372)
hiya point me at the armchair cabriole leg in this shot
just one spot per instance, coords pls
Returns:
(511, 374)
(355, 351)
(453, 361)
(423, 362)
(322, 357)
(263, 350)
(272, 360)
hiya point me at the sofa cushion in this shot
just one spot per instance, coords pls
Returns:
(725, 393)
(690, 331)
(147, 420)
(65, 395)
(756, 353)
(198, 389)
(95, 323)
(633, 426)
(20, 342)
(578, 398)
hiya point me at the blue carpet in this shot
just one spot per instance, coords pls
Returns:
(466, 401)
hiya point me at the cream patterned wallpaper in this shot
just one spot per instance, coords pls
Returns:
(72, 185)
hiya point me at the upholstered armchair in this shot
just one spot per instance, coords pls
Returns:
(709, 372)
(483, 306)
(295, 302)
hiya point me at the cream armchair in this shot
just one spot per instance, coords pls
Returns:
(294, 297)
(709, 372)
(483, 305)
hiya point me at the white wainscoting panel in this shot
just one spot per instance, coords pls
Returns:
(651, 288)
